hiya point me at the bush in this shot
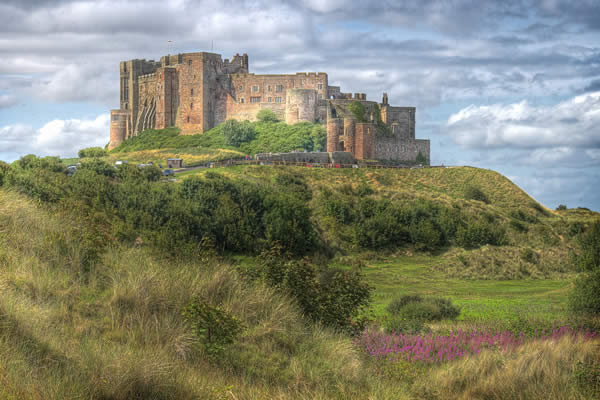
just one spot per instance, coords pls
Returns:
(236, 132)
(92, 152)
(216, 327)
(332, 297)
(421, 159)
(561, 207)
(266, 115)
(585, 297)
(475, 233)
(474, 193)
(423, 308)
(529, 256)
(403, 326)
(358, 110)
(98, 166)
(4, 167)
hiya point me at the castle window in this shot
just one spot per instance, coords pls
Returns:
(279, 88)
(255, 89)
(240, 88)
(242, 100)
(255, 99)
(188, 118)
(319, 86)
(190, 62)
(191, 106)
(277, 99)
(270, 99)
(270, 88)
(192, 91)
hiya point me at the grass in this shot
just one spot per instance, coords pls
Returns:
(480, 300)
(115, 331)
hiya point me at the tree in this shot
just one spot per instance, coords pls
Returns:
(236, 132)
(92, 152)
(266, 115)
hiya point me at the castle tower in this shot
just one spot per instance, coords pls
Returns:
(301, 105)
(349, 127)
(334, 126)
(119, 121)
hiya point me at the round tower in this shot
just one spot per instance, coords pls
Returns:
(334, 125)
(349, 126)
(118, 127)
(300, 105)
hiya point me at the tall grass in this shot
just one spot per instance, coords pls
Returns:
(119, 334)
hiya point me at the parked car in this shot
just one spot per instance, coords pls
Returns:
(168, 172)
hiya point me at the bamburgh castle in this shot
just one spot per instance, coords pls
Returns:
(197, 91)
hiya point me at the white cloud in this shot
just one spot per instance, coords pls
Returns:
(56, 138)
(7, 100)
(571, 123)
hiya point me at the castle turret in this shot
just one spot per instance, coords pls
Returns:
(119, 121)
(349, 127)
(334, 128)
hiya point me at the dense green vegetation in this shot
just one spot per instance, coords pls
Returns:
(249, 282)
(265, 135)
(92, 152)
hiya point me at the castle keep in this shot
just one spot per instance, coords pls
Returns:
(198, 91)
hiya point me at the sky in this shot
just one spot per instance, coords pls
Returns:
(512, 86)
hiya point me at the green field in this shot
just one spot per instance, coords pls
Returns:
(480, 300)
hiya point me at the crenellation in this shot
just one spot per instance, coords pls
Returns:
(197, 91)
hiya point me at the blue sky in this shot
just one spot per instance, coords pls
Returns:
(512, 86)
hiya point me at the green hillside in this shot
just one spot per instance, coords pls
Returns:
(262, 282)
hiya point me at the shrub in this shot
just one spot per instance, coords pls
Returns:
(585, 297)
(92, 152)
(475, 193)
(423, 308)
(421, 159)
(358, 110)
(214, 326)
(4, 167)
(529, 256)
(561, 207)
(333, 297)
(266, 115)
(518, 225)
(523, 216)
(403, 326)
(476, 233)
(98, 166)
(236, 132)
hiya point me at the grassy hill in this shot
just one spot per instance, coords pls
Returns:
(98, 269)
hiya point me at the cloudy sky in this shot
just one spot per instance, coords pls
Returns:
(508, 85)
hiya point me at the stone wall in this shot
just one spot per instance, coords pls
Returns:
(301, 106)
(393, 148)
(339, 157)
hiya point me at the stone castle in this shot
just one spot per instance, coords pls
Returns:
(197, 91)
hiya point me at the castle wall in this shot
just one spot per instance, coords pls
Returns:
(252, 93)
(400, 119)
(364, 141)
(167, 99)
(335, 128)
(301, 106)
(393, 148)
